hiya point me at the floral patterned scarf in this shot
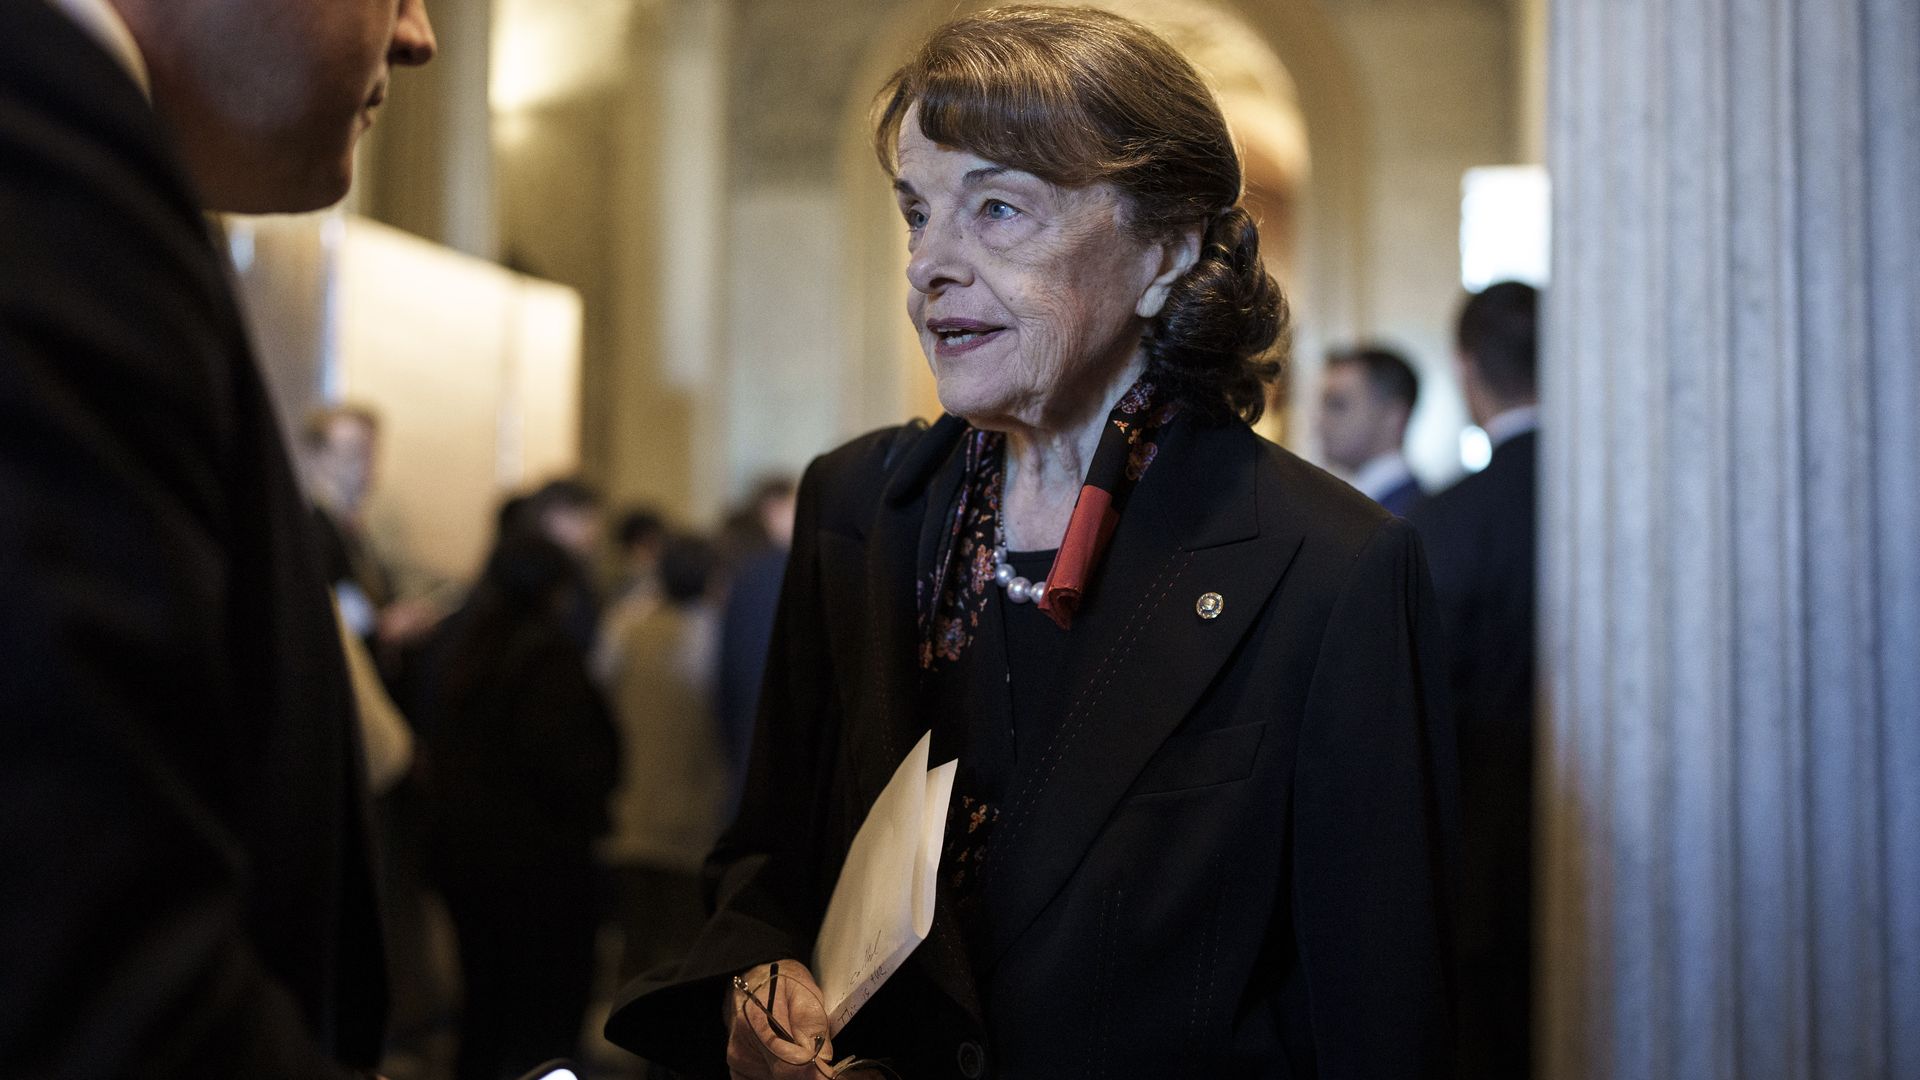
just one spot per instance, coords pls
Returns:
(954, 593)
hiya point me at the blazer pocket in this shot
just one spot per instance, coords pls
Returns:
(1213, 757)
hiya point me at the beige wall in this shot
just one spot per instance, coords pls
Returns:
(473, 370)
(616, 187)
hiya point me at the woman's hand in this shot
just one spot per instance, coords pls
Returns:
(783, 1009)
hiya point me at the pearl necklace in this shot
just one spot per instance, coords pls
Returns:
(1019, 589)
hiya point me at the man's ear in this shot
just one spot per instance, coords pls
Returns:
(1178, 253)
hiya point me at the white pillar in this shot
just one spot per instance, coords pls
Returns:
(1731, 542)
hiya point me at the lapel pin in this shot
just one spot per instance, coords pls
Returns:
(1210, 605)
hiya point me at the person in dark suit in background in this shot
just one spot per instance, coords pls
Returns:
(185, 889)
(569, 514)
(523, 755)
(1366, 398)
(746, 625)
(1480, 538)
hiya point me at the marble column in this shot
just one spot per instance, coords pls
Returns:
(1730, 776)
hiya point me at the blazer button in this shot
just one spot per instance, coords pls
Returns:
(972, 1060)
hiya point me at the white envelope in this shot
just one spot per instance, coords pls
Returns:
(882, 906)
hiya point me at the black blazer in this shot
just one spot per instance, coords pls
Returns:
(1238, 867)
(183, 878)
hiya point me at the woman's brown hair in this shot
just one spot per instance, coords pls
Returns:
(1078, 96)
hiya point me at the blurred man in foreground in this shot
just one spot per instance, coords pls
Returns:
(1366, 398)
(186, 890)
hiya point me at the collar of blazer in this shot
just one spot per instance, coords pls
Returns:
(1208, 517)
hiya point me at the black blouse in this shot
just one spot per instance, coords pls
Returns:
(1008, 690)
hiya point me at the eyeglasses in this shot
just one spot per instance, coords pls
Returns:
(791, 1023)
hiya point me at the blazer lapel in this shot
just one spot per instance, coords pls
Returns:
(1191, 527)
(912, 514)
(919, 487)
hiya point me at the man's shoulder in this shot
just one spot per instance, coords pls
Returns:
(79, 139)
(1507, 483)
(110, 284)
(1482, 525)
(55, 78)
(87, 172)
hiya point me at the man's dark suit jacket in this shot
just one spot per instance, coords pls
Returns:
(183, 878)
(1480, 538)
(1238, 863)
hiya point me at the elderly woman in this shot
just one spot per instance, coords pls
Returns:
(1203, 803)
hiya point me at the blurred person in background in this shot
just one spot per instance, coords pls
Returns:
(391, 611)
(639, 538)
(340, 445)
(1202, 817)
(762, 520)
(673, 786)
(186, 889)
(386, 734)
(522, 756)
(746, 626)
(512, 517)
(569, 514)
(1481, 536)
(1366, 398)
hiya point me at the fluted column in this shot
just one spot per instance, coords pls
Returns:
(1730, 776)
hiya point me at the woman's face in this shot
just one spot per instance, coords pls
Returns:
(1029, 299)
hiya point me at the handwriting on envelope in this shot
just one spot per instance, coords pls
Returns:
(882, 906)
